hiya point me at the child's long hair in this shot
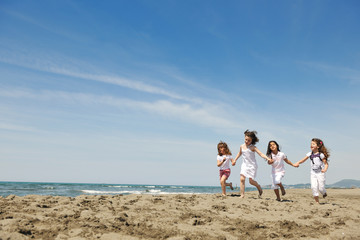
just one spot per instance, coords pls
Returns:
(252, 135)
(268, 152)
(222, 144)
(322, 147)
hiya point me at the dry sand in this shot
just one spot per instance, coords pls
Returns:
(183, 216)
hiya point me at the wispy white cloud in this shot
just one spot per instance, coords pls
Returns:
(213, 116)
(67, 67)
(58, 64)
(196, 110)
(119, 81)
(192, 85)
(15, 127)
(205, 115)
(352, 76)
(44, 25)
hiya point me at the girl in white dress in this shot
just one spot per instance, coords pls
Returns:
(319, 156)
(278, 169)
(249, 165)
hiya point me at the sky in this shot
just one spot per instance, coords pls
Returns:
(142, 91)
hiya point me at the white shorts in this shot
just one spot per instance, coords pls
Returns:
(276, 179)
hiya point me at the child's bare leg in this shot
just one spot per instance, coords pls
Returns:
(230, 185)
(242, 186)
(223, 184)
(255, 183)
(277, 193)
(283, 192)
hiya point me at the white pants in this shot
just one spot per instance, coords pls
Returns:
(318, 183)
(276, 179)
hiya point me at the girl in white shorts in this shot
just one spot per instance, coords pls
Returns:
(319, 156)
(278, 169)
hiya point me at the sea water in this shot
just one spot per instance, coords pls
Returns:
(76, 189)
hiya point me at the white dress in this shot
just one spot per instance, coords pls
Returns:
(249, 165)
(278, 169)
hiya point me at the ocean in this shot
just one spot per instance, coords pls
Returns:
(76, 189)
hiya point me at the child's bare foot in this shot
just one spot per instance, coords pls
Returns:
(231, 187)
(223, 195)
(260, 193)
(242, 196)
(278, 199)
(324, 195)
(283, 192)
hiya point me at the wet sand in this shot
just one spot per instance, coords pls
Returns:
(183, 216)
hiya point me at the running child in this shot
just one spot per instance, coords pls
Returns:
(319, 156)
(249, 165)
(278, 169)
(223, 161)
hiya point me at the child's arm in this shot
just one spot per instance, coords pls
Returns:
(289, 162)
(301, 161)
(262, 155)
(326, 165)
(237, 156)
(220, 162)
(232, 161)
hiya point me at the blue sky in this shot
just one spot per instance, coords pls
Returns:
(141, 92)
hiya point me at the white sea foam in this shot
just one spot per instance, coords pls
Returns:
(154, 191)
(149, 192)
(176, 193)
(110, 192)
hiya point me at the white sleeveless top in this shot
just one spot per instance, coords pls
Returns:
(249, 165)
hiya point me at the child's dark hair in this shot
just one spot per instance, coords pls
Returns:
(252, 135)
(322, 147)
(222, 144)
(268, 152)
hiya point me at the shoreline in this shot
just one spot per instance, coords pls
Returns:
(75, 189)
(182, 216)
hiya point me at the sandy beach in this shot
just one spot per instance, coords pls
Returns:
(204, 216)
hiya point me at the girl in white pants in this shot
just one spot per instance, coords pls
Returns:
(278, 169)
(319, 165)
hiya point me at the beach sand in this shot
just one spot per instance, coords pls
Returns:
(183, 216)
